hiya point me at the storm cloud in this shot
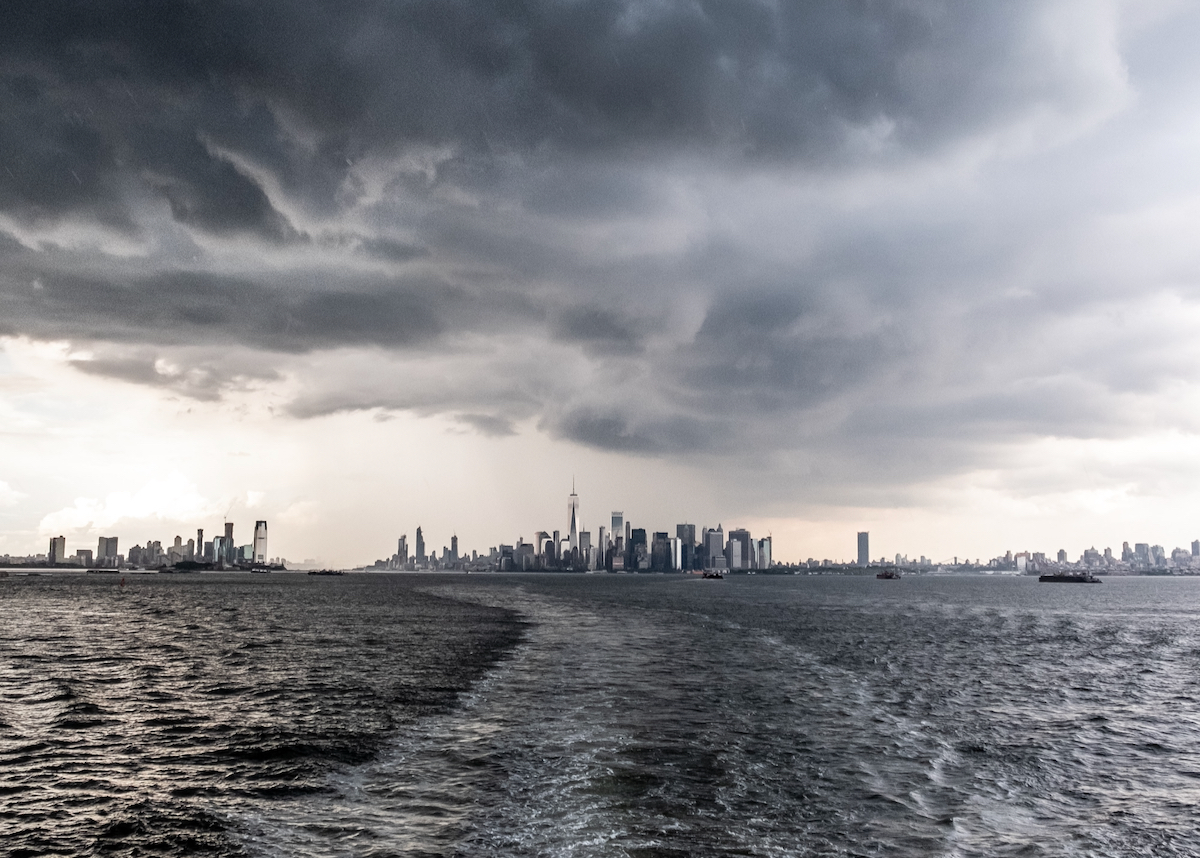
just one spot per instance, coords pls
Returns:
(876, 234)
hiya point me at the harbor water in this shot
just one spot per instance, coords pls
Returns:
(598, 715)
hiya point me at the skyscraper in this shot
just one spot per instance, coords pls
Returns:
(864, 551)
(260, 542)
(402, 550)
(573, 519)
(764, 553)
(686, 534)
(58, 549)
(454, 548)
(618, 526)
(230, 549)
(714, 549)
(106, 551)
(420, 547)
(745, 555)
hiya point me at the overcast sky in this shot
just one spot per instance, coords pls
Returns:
(928, 269)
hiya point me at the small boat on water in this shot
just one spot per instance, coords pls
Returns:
(1069, 578)
(326, 572)
(714, 575)
(888, 574)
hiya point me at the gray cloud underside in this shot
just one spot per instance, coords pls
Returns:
(546, 176)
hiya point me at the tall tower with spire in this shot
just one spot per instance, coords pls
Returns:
(573, 516)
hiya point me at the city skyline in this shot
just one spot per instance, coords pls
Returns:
(617, 547)
(922, 270)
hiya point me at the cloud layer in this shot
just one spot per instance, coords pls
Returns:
(842, 243)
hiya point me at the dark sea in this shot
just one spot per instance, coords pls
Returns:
(598, 715)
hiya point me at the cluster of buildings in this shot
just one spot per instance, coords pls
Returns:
(616, 547)
(1143, 558)
(222, 552)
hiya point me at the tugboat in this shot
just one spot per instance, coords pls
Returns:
(1069, 578)
(888, 574)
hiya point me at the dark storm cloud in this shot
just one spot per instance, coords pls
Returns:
(598, 328)
(613, 429)
(182, 308)
(407, 176)
(96, 91)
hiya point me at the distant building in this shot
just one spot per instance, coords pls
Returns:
(733, 553)
(745, 553)
(106, 551)
(864, 551)
(231, 552)
(637, 551)
(420, 548)
(260, 542)
(58, 550)
(573, 520)
(686, 534)
(1062, 555)
(660, 552)
(402, 550)
(764, 553)
(714, 549)
(454, 548)
(586, 554)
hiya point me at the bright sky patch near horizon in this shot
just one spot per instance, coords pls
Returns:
(926, 269)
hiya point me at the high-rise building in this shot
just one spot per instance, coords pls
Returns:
(660, 552)
(864, 550)
(420, 547)
(686, 534)
(714, 549)
(557, 555)
(230, 546)
(260, 542)
(733, 553)
(573, 519)
(585, 549)
(637, 549)
(58, 549)
(402, 550)
(764, 553)
(618, 525)
(742, 537)
(106, 551)
(454, 548)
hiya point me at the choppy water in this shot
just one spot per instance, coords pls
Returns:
(599, 715)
